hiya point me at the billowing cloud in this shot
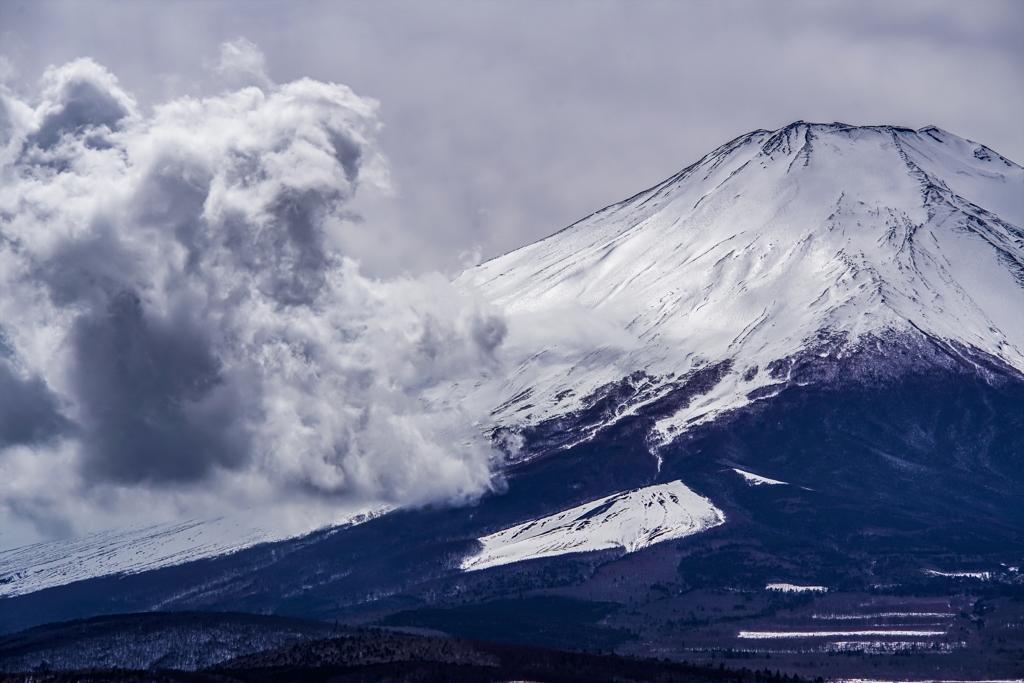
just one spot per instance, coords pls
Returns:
(177, 321)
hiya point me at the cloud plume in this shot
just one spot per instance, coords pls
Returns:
(178, 321)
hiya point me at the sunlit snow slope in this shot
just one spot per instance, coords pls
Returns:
(769, 243)
(630, 521)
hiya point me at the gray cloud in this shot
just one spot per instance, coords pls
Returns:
(154, 403)
(181, 318)
(29, 411)
(82, 99)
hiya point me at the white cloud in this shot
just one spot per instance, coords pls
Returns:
(180, 330)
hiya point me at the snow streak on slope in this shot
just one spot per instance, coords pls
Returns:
(134, 550)
(630, 520)
(756, 479)
(759, 251)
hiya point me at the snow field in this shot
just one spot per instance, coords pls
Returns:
(630, 521)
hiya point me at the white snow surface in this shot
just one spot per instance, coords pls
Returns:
(631, 520)
(751, 252)
(138, 549)
(756, 479)
(769, 635)
(982, 576)
(792, 588)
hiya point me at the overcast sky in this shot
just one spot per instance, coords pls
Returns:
(183, 329)
(506, 121)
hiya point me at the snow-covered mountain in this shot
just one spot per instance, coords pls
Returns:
(811, 335)
(812, 239)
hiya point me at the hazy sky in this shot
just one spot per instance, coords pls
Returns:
(506, 121)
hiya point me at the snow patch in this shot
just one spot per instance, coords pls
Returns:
(630, 521)
(756, 479)
(769, 635)
(888, 647)
(981, 576)
(791, 588)
(884, 615)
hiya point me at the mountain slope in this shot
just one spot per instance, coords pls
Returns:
(139, 549)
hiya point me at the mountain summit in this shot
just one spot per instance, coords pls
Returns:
(817, 238)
